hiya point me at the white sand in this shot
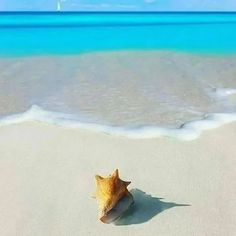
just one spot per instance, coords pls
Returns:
(47, 178)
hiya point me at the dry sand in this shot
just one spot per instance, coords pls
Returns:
(47, 179)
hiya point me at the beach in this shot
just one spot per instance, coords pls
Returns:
(150, 94)
(47, 180)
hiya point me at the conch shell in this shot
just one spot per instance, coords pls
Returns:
(112, 196)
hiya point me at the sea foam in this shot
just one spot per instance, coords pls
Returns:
(186, 132)
(225, 92)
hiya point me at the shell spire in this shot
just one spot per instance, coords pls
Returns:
(112, 196)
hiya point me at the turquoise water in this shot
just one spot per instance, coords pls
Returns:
(73, 33)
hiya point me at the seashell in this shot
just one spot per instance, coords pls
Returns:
(112, 196)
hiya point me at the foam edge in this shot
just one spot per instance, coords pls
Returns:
(187, 132)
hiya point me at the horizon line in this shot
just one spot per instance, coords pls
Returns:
(120, 12)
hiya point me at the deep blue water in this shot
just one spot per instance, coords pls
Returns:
(73, 33)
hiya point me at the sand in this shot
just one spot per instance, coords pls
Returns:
(47, 179)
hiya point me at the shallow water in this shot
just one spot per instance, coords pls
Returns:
(121, 88)
(23, 34)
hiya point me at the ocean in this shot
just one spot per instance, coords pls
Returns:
(140, 75)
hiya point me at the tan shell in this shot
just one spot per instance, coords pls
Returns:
(112, 196)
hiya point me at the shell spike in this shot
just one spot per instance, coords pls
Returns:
(98, 178)
(115, 174)
(127, 183)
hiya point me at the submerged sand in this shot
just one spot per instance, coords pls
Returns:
(121, 88)
(47, 179)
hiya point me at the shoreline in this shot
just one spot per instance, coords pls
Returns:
(186, 132)
(134, 89)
